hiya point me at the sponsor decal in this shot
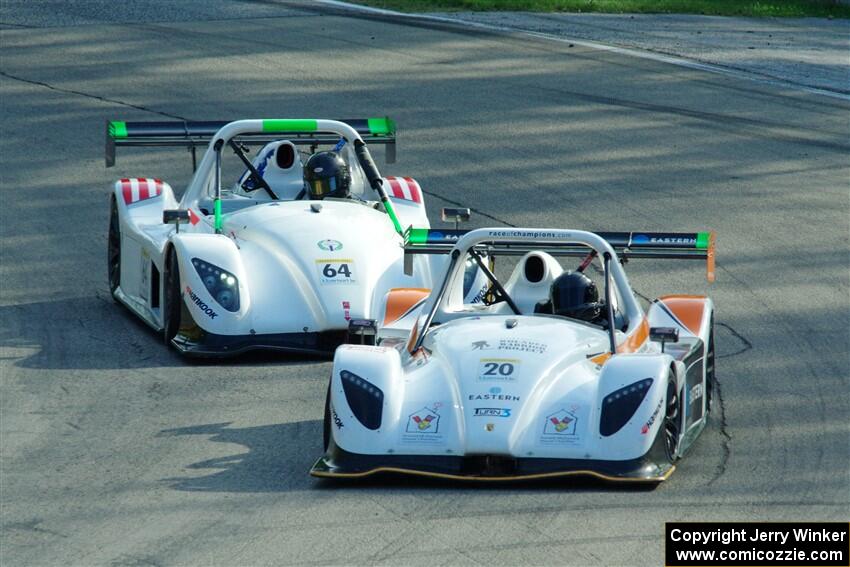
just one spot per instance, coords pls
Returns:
(522, 345)
(498, 369)
(206, 309)
(646, 239)
(318, 169)
(562, 427)
(479, 297)
(695, 393)
(480, 345)
(336, 271)
(336, 419)
(492, 412)
(346, 310)
(648, 425)
(561, 422)
(673, 240)
(493, 397)
(329, 245)
(529, 234)
(423, 426)
(367, 348)
(423, 422)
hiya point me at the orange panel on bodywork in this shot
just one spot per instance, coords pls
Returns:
(400, 300)
(688, 309)
(634, 341)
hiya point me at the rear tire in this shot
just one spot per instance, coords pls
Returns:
(171, 308)
(113, 252)
(672, 421)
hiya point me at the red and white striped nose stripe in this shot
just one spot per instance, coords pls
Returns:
(138, 189)
(405, 188)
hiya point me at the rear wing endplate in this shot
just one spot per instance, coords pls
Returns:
(194, 134)
(627, 245)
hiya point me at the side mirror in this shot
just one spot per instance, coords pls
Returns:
(175, 217)
(456, 216)
(664, 335)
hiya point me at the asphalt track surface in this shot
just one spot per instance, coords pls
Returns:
(116, 451)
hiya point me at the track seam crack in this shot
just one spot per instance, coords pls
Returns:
(727, 439)
(473, 209)
(90, 96)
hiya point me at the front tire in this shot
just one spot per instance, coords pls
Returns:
(172, 307)
(672, 421)
(114, 248)
(326, 432)
(709, 369)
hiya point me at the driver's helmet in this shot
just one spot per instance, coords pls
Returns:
(327, 175)
(574, 295)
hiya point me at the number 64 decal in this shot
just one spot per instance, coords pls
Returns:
(498, 369)
(336, 271)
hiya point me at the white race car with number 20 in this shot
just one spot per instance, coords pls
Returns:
(510, 389)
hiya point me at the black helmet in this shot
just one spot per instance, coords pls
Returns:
(326, 175)
(574, 295)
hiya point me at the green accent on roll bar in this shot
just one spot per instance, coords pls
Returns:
(390, 211)
(703, 240)
(217, 213)
(417, 236)
(381, 126)
(288, 125)
(118, 129)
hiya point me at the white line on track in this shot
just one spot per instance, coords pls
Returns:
(630, 52)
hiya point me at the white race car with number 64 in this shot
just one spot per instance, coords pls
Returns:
(254, 263)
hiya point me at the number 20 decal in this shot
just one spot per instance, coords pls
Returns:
(498, 369)
(504, 369)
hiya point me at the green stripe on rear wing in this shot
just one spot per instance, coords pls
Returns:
(194, 134)
(673, 245)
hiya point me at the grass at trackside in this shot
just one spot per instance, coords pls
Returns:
(757, 8)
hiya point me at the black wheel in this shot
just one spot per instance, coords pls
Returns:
(672, 420)
(172, 308)
(326, 433)
(114, 247)
(709, 369)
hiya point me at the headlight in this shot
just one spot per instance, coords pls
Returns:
(619, 406)
(364, 398)
(222, 285)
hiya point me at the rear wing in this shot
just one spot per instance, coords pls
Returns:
(627, 245)
(194, 134)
